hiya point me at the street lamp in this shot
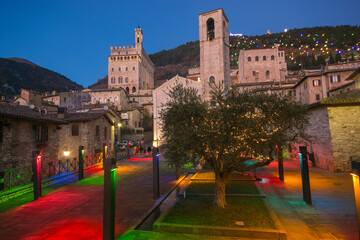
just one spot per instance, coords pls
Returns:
(355, 176)
(66, 153)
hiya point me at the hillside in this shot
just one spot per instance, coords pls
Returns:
(304, 48)
(100, 84)
(17, 73)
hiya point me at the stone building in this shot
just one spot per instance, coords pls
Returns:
(335, 129)
(214, 50)
(69, 100)
(130, 67)
(24, 130)
(160, 97)
(116, 97)
(317, 86)
(91, 128)
(264, 70)
(29, 97)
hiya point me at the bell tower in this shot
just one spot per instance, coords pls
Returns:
(214, 50)
(138, 37)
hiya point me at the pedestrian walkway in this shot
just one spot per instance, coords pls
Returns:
(74, 211)
(332, 214)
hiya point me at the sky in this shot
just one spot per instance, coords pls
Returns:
(73, 37)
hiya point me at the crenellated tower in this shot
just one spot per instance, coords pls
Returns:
(129, 67)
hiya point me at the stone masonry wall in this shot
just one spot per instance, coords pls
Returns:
(345, 134)
(320, 143)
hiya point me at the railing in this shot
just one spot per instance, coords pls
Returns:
(22, 176)
(15, 177)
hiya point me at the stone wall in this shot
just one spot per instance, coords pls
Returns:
(19, 141)
(345, 134)
(320, 142)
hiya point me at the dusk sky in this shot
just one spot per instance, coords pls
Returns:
(73, 37)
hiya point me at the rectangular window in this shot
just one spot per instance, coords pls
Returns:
(317, 96)
(335, 78)
(97, 131)
(75, 130)
(316, 83)
(41, 133)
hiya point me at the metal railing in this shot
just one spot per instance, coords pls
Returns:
(22, 176)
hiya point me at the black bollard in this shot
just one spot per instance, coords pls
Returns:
(305, 174)
(36, 162)
(81, 162)
(109, 198)
(156, 185)
(280, 163)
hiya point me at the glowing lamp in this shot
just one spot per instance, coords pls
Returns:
(355, 173)
(119, 124)
(66, 153)
(155, 144)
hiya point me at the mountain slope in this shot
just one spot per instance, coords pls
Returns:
(17, 73)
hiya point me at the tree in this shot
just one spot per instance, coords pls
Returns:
(180, 117)
(238, 132)
(331, 59)
(321, 60)
(338, 57)
(242, 131)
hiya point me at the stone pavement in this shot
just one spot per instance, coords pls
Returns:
(332, 214)
(74, 211)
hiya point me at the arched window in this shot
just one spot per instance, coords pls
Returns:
(212, 79)
(120, 80)
(119, 69)
(249, 59)
(116, 99)
(264, 58)
(272, 57)
(256, 58)
(94, 100)
(210, 29)
(127, 90)
(126, 80)
(112, 69)
(100, 100)
(105, 100)
(134, 89)
(110, 99)
(126, 68)
(267, 73)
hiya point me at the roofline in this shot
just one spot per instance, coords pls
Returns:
(214, 11)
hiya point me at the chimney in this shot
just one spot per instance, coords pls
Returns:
(61, 112)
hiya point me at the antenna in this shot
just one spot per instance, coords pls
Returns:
(31, 106)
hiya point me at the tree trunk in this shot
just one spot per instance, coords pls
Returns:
(220, 191)
(177, 172)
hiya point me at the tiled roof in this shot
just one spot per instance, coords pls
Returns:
(24, 112)
(83, 116)
(350, 97)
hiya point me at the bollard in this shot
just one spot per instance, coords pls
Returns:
(104, 153)
(36, 161)
(156, 185)
(109, 198)
(305, 174)
(128, 151)
(280, 162)
(81, 162)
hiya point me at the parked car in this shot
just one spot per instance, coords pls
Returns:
(121, 144)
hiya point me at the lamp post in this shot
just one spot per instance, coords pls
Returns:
(36, 161)
(305, 174)
(355, 177)
(81, 162)
(156, 185)
(109, 198)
